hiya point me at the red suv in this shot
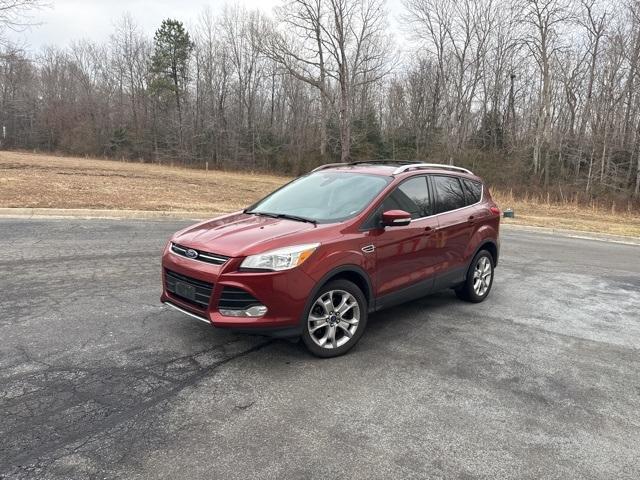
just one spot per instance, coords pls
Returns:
(313, 258)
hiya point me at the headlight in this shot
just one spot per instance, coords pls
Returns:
(280, 259)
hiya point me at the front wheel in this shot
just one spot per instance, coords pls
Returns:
(335, 320)
(479, 278)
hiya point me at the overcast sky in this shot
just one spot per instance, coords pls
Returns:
(68, 20)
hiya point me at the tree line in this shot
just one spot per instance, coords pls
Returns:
(541, 94)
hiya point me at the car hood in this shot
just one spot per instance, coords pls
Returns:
(241, 234)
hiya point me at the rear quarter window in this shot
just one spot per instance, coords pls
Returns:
(472, 191)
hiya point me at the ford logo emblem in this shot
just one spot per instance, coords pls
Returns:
(191, 253)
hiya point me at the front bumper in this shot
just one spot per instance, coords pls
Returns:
(284, 293)
(187, 312)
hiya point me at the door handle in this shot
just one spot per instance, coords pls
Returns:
(471, 219)
(429, 230)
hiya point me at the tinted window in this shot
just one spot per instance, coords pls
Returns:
(472, 191)
(411, 196)
(323, 196)
(448, 193)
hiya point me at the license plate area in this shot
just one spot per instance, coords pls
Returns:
(185, 290)
(191, 290)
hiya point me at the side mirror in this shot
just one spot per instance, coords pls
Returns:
(396, 218)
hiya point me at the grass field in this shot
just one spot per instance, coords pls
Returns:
(46, 181)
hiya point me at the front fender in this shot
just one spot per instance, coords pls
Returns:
(351, 268)
(342, 253)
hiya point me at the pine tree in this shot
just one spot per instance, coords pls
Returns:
(170, 63)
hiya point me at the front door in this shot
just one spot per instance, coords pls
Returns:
(406, 256)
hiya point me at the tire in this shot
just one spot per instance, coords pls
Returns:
(329, 332)
(479, 278)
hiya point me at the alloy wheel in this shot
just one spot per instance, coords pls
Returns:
(333, 319)
(482, 275)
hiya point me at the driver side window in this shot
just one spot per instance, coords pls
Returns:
(412, 196)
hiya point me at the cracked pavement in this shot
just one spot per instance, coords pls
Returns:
(98, 380)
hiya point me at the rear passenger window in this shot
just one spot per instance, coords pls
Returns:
(449, 193)
(411, 196)
(472, 191)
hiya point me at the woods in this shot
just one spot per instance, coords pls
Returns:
(542, 95)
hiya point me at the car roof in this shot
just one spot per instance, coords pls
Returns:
(398, 169)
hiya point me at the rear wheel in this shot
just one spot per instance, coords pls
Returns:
(479, 278)
(336, 319)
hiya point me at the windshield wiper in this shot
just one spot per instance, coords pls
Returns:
(282, 215)
(296, 218)
(262, 214)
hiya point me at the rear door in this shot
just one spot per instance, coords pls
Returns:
(405, 260)
(456, 225)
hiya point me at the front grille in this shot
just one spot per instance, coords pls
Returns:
(233, 298)
(181, 286)
(199, 254)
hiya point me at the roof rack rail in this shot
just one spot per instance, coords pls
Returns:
(405, 165)
(384, 161)
(405, 168)
(329, 165)
(366, 162)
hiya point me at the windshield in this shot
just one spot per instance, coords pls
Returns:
(323, 196)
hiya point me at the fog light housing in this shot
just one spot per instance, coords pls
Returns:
(253, 311)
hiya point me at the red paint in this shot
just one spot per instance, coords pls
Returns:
(425, 249)
(395, 218)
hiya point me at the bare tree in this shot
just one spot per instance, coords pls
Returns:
(544, 19)
(348, 50)
(130, 54)
(541, 95)
(595, 26)
(298, 47)
(431, 23)
(16, 15)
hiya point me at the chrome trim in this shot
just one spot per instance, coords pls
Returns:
(406, 168)
(450, 211)
(186, 312)
(329, 165)
(212, 257)
(368, 249)
(441, 213)
(200, 255)
(398, 170)
(177, 247)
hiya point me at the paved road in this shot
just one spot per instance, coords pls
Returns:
(99, 381)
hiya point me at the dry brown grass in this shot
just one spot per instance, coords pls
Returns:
(46, 181)
(539, 212)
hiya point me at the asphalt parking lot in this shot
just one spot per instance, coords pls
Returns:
(100, 381)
